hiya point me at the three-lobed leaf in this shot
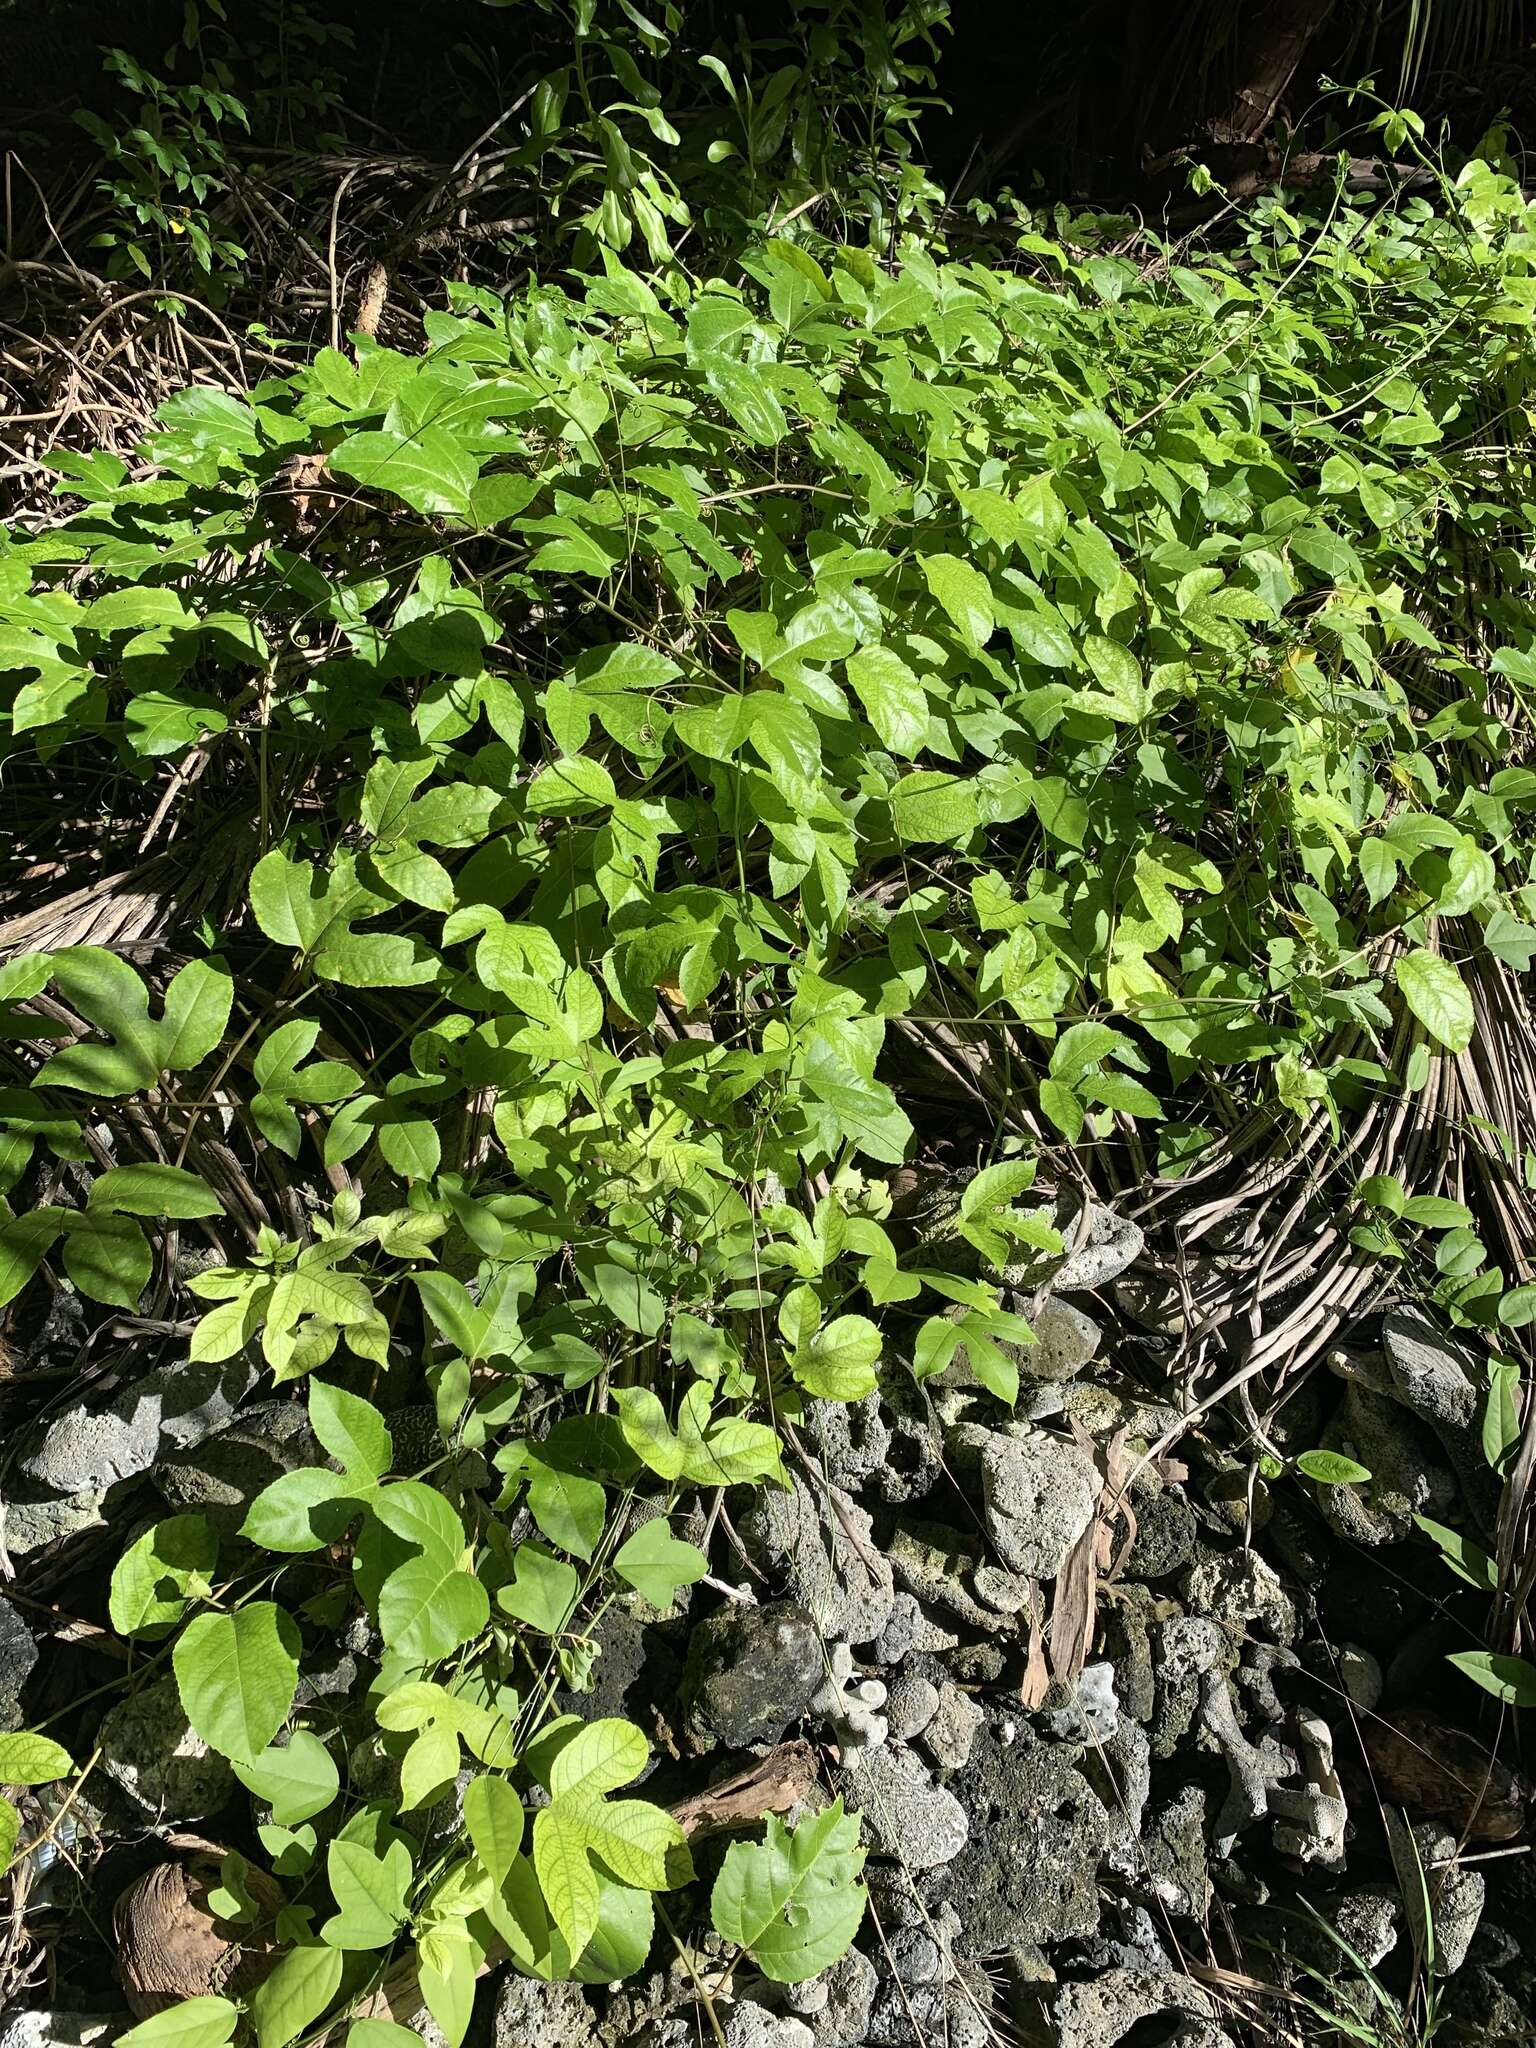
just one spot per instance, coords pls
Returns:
(793, 1901)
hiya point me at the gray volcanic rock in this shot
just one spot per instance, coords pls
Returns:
(852, 1436)
(906, 1815)
(176, 1406)
(38, 2028)
(1105, 2009)
(910, 1705)
(1408, 1477)
(1456, 1896)
(35, 1524)
(1166, 1531)
(836, 2004)
(1030, 1870)
(18, 1654)
(1066, 1341)
(753, 2026)
(1432, 1373)
(1239, 1589)
(924, 1997)
(150, 1752)
(532, 2014)
(86, 1453)
(952, 1729)
(750, 1672)
(1038, 1496)
(1112, 1246)
(1434, 1376)
(844, 1585)
(221, 1475)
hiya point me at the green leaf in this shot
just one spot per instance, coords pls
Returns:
(300, 1510)
(158, 1574)
(998, 517)
(108, 1257)
(446, 1961)
(627, 1295)
(793, 1901)
(1510, 1679)
(749, 400)
(237, 1674)
(211, 419)
(297, 1781)
(710, 1450)
(206, 2022)
(495, 1818)
(621, 1941)
(427, 468)
(1331, 1468)
(569, 787)
(838, 1362)
(866, 1111)
(153, 1190)
(1064, 1108)
(1437, 996)
(1459, 1254)
(1470, 879)
(32, 1760)
(293, 904)
(1466, 1558)
(568, 1507)
(1436, 1212)
(429, 1767)
(1510, 941)
(297, 1992)
(429, 1609)
(197, 1006)
(352, 1430)
(168, 721)
(966, 596)
(1122, 694)
(1378, 869)
(569, 1883)
(1501, 1413)
(656, 1563)
(419, 1515)
(1040, 510)
(417, 876)
(108, 993)
(635, 1841)
(453, 1311)
(934, 806)
(369, 1888)
(24, 1244)
(895, 700)
(543, 1590)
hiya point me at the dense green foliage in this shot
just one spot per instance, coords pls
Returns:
(631, 716)
(621, 155)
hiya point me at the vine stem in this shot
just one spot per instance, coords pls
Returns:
(699, 1985)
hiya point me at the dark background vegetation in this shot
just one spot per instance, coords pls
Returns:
(1081, 100)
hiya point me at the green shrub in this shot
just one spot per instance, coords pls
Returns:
(632, 719)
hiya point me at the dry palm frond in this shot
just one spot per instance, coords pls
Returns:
(1453, 35)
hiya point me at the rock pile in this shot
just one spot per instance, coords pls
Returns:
(1102, 1717)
